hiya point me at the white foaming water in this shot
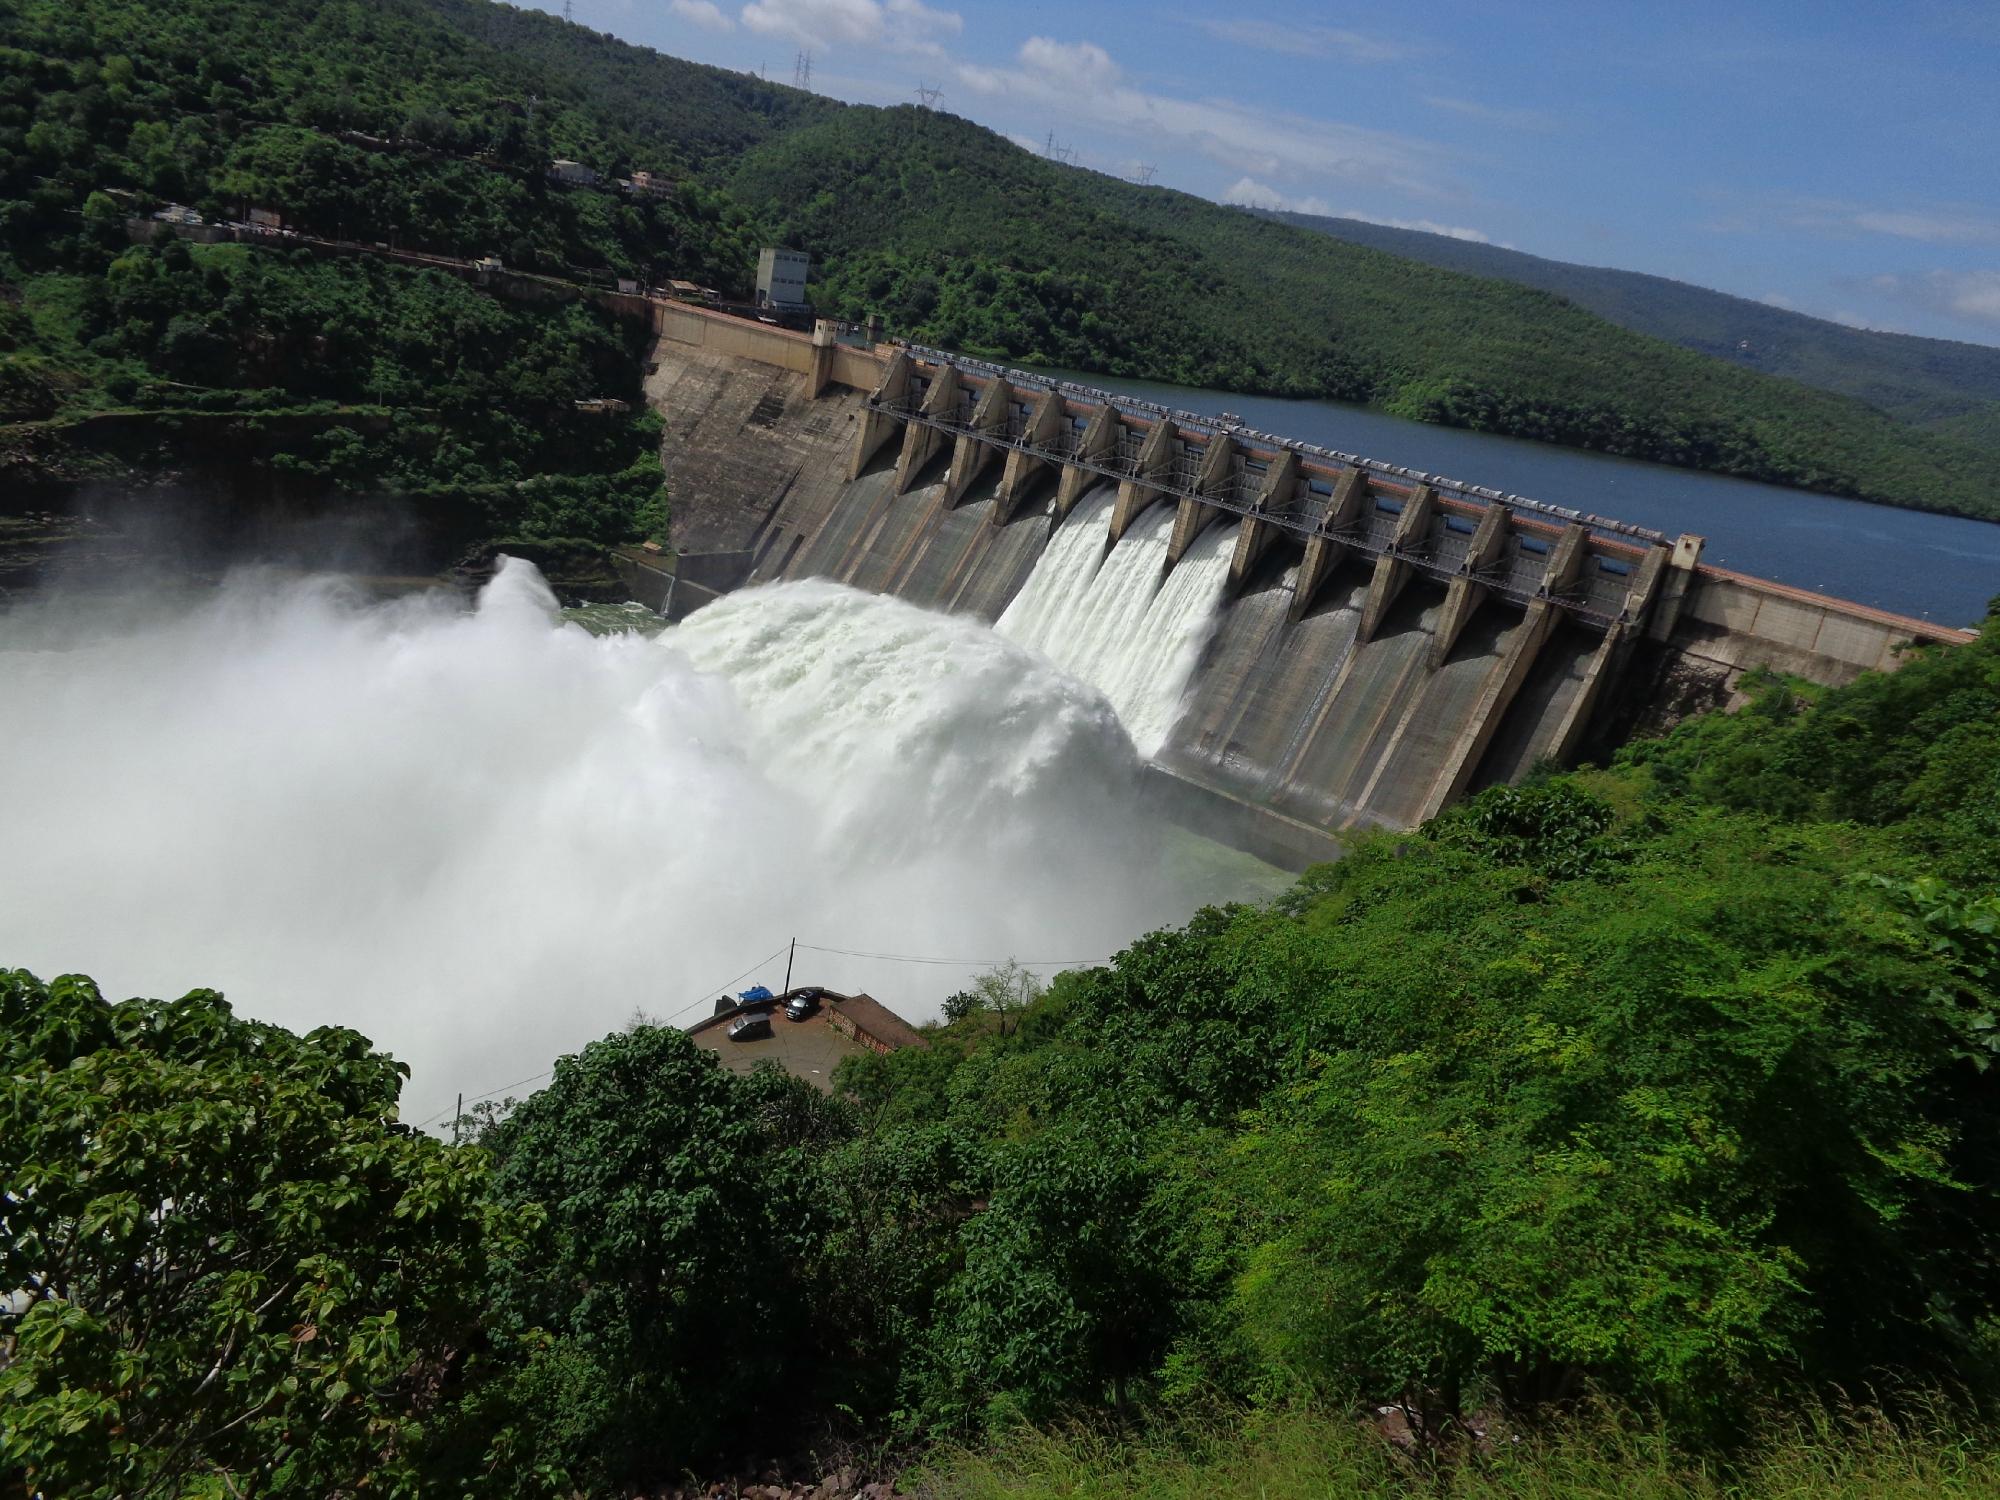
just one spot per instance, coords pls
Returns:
(484, 838)
(1122, 622)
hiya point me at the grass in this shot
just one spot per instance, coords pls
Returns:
(1316, 1455)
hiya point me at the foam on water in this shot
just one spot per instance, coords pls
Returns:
(1122, 621)
(484, 837)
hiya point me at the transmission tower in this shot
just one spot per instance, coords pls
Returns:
(1146, 170)
(928, 96)
(569, 11)
(802, 71)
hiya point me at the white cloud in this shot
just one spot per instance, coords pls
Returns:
(1081, 83)
(1248, 192)
(899, 25)
(1307, 41)
(1938, 224)
(1427, 226)
(1972, 295)
(1490, 114)
(1932, 228)
(1081, 65)
(703, 13)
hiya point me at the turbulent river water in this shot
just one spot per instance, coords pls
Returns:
(484, 836)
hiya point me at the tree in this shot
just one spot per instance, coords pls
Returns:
(1005, 989)
(667, 1314)
(238, 1273)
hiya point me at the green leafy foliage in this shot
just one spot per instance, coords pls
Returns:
(235, 1268)
(1916, 751)
(666, 1315)
(1668, 1085)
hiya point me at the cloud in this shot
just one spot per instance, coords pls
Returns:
(1931, 228)
(1836, 218)
(1307, 41)
(1082, 65)
(1082, 83)
(1248, 192)
(1490, 114)
(898, 25)
(1971, 295)
(703, 13)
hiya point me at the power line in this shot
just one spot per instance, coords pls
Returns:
(550, 1073)
(912, 958)
(482, 1098)
(772, 957)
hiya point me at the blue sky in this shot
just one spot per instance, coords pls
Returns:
(1838, 158)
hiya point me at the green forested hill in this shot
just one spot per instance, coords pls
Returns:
(430, 123)
(1933, 382)
(966, 239)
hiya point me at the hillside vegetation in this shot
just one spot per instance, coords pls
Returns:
(1938, 383)
(976, 244)
(1613, 1134)
(430, 123)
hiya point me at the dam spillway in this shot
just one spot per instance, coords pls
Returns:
(1301, 641)
(1121, 619)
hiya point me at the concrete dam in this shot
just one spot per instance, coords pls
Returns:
(1300, 641)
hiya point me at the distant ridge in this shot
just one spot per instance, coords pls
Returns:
(1941, 384)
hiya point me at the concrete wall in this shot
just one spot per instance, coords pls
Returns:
(1736, 622)
(1389, 642)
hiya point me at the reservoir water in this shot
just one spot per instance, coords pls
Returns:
(1939, 568)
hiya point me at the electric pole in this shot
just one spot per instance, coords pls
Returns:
(802, 71)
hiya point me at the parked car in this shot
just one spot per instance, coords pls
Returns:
(753, 1028)
(802, 1004)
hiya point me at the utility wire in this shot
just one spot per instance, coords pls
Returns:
(772, 957)
(912, 958)
(537, 1078)
(724, 986)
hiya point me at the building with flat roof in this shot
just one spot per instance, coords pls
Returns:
(781, 277)
(840, 1026)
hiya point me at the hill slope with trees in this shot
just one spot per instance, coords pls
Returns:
(430, 123)
(1940, 383)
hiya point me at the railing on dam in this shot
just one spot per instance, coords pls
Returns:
(1197, 422)
(1407, 522)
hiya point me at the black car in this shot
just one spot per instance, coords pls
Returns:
(802, 1004)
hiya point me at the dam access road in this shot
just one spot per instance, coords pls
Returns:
(1377, 643)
